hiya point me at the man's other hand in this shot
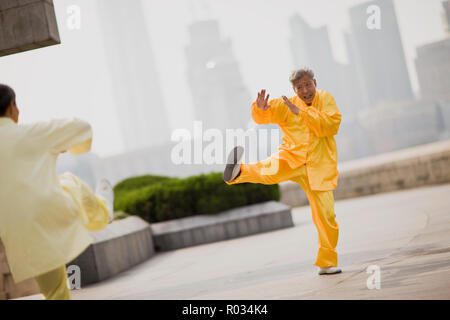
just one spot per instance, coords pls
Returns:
(294, 109)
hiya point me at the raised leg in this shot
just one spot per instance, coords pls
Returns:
(272, 170)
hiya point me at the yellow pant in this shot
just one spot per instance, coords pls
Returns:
(94, 215)
(54, 285)
(274, 170)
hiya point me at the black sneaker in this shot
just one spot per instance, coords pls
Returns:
(233, 167)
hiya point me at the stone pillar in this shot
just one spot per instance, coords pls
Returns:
(27, 25)
(8, 288)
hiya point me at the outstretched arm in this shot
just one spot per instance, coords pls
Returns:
(265, 111)
(59, 135)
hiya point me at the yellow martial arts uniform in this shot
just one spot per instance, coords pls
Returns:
(44, 219)
(307, 156)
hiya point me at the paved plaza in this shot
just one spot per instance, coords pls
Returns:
(406, 234)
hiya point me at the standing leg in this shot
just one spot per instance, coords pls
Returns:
(272, 170)
(323, 215)
(54, 285)
(94, 212)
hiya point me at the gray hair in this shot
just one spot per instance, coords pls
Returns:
(300, 73)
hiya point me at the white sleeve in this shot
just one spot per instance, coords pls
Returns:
(73, 135)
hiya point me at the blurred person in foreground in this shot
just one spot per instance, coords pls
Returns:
(45, 219)
(307, 156)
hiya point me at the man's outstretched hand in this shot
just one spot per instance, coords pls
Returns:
(294, 109)
(262, 100)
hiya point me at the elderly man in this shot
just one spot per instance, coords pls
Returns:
(307, 156)
(45, 218)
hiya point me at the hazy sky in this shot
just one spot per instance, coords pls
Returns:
(72, 79)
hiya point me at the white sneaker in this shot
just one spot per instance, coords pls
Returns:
(329, 270)
(105, 190)
(233, 166)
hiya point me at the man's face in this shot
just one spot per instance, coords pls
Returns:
(305, 88)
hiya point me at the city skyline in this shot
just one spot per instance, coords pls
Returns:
(94, 102)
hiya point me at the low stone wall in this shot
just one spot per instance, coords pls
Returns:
(234, 223)
(123, 244)
(403, 169)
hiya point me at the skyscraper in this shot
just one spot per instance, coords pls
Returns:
(446, 5)
(311, 48)
(433, 66)
(220, 98)
(379, 54)
(134, 77)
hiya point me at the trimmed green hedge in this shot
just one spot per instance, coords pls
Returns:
(158, 198)
(138, 182)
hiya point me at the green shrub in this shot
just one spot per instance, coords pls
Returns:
(158, 198)
(138, 182)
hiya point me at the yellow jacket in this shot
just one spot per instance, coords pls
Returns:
(40, 225)
(308, 137)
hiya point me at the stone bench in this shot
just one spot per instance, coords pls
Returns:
(121, 245)
(230, 224)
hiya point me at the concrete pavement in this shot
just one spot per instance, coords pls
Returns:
(405, 233)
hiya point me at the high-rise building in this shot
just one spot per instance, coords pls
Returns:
(220, 98)
(446, 5)
(378, 53)
(433, 67)
(311, 48)
(134, 77)
(350, 82)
